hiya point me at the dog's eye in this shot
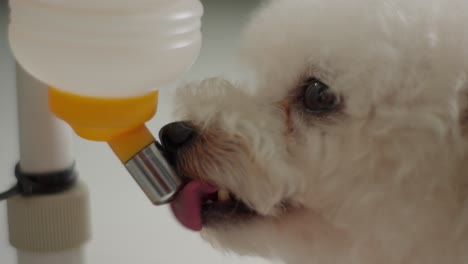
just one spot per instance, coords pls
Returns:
(317, 97)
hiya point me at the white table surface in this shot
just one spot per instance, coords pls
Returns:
(126, 227)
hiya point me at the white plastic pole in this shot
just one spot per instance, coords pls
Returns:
(46, 146)
(45, 141)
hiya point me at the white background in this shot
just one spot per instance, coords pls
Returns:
(126, 227)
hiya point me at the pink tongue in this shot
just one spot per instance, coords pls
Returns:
(187, 206)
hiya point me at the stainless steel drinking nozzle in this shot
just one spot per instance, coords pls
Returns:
(154, 174)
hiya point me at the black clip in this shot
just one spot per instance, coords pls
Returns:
(30, 184)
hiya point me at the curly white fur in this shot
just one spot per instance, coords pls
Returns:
(383, 182)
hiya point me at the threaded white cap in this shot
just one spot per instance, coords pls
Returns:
(50, 223)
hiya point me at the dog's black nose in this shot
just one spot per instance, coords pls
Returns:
(176, 135)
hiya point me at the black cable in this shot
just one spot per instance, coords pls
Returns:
(10, 193)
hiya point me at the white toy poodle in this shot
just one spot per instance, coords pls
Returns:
(350, 148)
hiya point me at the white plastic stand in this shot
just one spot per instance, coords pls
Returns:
(51, 229)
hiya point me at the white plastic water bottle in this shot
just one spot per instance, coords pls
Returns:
(106, 48)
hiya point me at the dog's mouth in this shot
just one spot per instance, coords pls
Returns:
(201, 204)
